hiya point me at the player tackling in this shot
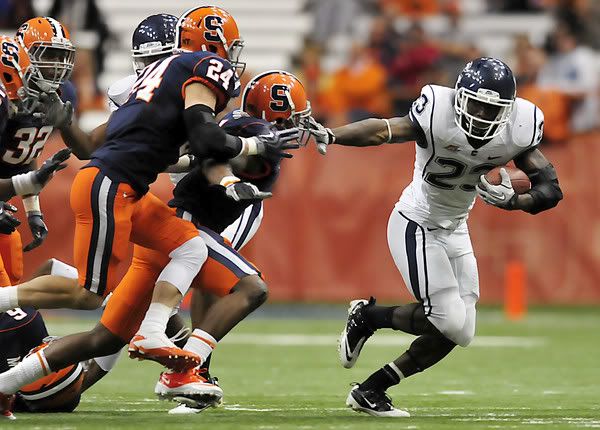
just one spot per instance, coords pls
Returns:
(460, 135)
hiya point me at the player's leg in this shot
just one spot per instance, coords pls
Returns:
(103, 213)
(11, 250)
(236, 281)
(157, 227)
(126, 307)
(243, 229)
(422, 259)
(240, 289)
(464, 266)
(55, 267)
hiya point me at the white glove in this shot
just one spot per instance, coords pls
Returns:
(323, 135)
(502, 195)
(245, 191)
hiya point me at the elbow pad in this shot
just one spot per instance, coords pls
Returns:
(207, 139)
(545, 190)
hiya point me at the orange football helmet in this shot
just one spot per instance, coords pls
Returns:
(210, 28)
(276, 96)
(16, 74)
(49, 46)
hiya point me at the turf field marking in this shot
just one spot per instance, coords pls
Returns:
(456, 393)
(382, 341)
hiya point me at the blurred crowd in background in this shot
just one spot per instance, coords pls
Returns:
(89, 33)
(394, 56)
(386, 70)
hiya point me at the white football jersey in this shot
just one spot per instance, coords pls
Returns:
(118, 93)
(447, 167)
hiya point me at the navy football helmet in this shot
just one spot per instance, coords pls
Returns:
(153, 39)
(485, 95)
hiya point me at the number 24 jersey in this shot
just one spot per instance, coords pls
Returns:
(447, 168)
(144, 135)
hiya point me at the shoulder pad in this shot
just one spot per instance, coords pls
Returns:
(216, 73)
(118, 92)
(423, 108)
(527, 124)
(245, 126)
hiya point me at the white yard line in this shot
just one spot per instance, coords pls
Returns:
(385, 340)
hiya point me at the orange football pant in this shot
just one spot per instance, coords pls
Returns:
(109, 215)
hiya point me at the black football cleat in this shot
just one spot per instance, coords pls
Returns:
(372, 402)
(355, 333)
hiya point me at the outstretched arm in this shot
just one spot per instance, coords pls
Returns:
(368, 132)
(545, 191)
(373, 132)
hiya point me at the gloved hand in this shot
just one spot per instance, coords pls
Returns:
(275, 143)
(323, 136)
(502, 195)
(51, 166)
(8, 222)
(245, 191)
(38, 228)
(51, 110)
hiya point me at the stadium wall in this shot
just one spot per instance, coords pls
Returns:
(324, 234)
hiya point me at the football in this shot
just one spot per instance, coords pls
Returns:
(518, 178)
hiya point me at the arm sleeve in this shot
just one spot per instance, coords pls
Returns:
(207, 139)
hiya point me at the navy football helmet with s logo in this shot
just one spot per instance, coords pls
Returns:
(485, 95)
(153, 39)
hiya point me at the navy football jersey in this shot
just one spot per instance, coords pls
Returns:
(144, 134)
(24, 137)
(208, 204)
(21, 330)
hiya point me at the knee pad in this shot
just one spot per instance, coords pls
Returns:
(186, 261)
(58, 268)
(448, 316)
(107, 362)
(468, 332)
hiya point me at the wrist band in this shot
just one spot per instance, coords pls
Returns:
(25, 184)
(32, 204)
(389, 129)
(229, 180)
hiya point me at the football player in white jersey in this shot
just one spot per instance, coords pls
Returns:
(461, 133)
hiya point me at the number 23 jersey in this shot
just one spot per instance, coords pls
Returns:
(143, 136)
(447, 168)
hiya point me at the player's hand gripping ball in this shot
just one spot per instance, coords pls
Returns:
(501, 185)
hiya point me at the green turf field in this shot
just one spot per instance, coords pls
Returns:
(284, 374)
